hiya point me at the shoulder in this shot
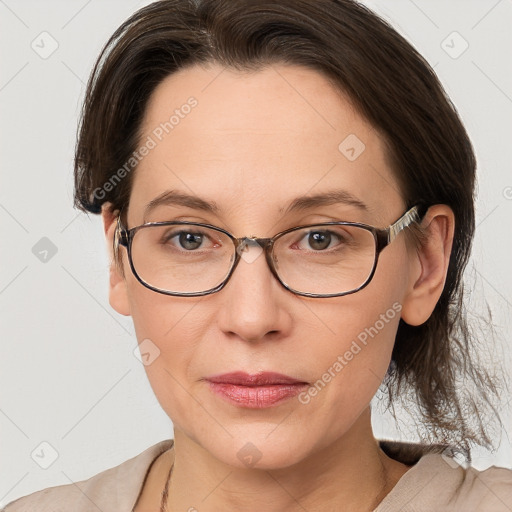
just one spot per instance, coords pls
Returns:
(487, 490)
(438, 482)
(457, 488)
(116, 488)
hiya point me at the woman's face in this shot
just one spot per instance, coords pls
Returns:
(251, 143)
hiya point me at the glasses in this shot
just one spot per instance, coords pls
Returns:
(190, 259)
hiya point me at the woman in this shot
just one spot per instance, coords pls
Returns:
(288, 194)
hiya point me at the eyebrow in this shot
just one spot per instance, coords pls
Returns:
(177, 198)
(325, 199)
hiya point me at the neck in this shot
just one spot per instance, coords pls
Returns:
(351, 474)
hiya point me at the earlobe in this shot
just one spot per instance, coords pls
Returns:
(118, 293)
(429, 265)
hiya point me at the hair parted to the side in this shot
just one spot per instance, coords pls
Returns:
(390, 84)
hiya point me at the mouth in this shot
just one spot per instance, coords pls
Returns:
(255, 391)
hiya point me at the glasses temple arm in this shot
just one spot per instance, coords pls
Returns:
(406, 220)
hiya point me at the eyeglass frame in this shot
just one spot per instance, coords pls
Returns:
(382, 237)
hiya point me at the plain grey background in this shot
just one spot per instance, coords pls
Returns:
(69, 378)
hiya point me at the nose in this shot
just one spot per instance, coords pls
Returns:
(253, 301)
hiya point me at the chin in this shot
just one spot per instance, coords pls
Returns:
(256, 449)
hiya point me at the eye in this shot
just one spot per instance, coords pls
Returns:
(188, 239)
(322, 239)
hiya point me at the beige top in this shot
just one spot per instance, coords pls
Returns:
(434, 483)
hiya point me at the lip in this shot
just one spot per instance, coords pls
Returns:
(255, 379)
(255, 391)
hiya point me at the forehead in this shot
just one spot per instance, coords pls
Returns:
(255, 140)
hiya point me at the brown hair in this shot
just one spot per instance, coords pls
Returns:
(392, 86)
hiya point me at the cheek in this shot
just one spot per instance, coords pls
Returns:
(356, 354)
(349, 366)
(351, 361)
(164, 319)
(172, 328)
(169, 329)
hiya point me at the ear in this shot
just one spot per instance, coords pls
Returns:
(429, 265)
(118, 293)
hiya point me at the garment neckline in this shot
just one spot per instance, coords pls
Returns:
(408, 453)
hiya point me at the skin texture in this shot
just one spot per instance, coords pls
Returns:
(254, 142)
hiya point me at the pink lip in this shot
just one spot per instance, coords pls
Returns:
(255, 391)
(257, 379)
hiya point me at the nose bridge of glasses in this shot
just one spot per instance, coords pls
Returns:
(249, 248)
(253, 241)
